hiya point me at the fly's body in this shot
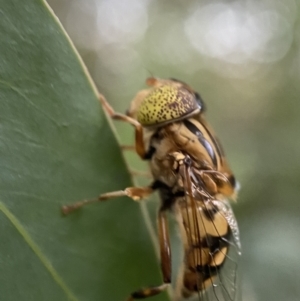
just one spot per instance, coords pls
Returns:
(193, 179)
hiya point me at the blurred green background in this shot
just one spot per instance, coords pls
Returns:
(243, 57)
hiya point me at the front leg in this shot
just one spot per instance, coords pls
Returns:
(165, 256)
(135, 193)
(139, 136)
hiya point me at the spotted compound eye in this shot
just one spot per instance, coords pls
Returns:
(166, 104)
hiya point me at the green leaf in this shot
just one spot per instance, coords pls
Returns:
(56, 147)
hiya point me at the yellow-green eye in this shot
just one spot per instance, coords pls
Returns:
(166, 104)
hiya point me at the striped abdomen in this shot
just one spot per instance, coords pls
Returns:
(205, 232)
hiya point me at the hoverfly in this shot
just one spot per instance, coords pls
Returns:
(193, 179)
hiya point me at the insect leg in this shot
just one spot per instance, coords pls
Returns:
(147, 292)
(136, 193)
(139, 138)
(140, 173)
(165, 255)
(164, 242)
(127, 147)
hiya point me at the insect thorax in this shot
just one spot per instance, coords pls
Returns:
(189, 138)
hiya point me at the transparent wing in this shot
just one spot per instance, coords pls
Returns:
(225, 283)
(226, 210)
(212, 245)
